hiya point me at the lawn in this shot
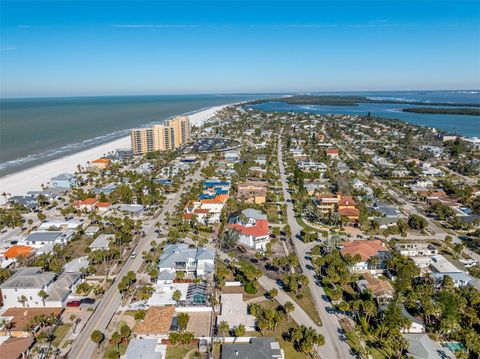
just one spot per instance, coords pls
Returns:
(179, 351)
(60, 333)
(307, 304)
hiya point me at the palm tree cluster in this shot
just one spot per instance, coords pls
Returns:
(305, 339)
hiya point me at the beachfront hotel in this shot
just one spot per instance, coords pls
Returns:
(168, 136)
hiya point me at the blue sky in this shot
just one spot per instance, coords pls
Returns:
(67, 48)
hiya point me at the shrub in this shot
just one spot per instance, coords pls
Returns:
(250, 288)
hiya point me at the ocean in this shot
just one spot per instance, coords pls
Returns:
(37, 130)
(468, 126)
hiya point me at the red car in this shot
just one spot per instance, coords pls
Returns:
(74, 303)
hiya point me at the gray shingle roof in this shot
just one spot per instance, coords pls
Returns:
(29, 277)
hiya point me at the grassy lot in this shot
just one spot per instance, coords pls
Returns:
(78, 248)
(272, 214)
(307, 304)
(179, 351)
(60, 333)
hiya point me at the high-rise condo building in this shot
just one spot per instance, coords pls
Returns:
(172, 134)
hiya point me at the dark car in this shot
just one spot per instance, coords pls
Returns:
(88, 301)
(74, 303)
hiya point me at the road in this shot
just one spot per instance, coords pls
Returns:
(437, 231)
(335, 347)
(83, 347)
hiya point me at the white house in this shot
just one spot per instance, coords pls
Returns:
(23, 287)
(40, 238)
(181, 258)
(101, 242)
(64, 180)
(253, 229)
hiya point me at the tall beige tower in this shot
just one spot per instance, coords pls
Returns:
(168, 136)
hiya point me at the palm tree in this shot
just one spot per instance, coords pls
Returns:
(22, 299)
(288, 307)
(7, 325)
(42, 294)
(176, 296)
(97, 337)
(223, 329)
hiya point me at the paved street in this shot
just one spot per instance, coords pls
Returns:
(83, 347)
(334, 346)
(436, 231)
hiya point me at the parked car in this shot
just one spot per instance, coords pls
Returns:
(74, 303)
(88, 301)
(133, 255)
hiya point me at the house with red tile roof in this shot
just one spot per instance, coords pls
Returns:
(87, 204)
(372, 255)
(101, 163)
(18, 251)
(333, 153)
(103, 206)
(252, 227)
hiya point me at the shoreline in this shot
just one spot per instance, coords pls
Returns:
(30, 179)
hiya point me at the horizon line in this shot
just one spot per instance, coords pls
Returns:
(229, 93)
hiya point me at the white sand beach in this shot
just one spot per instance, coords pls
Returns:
(31, 179)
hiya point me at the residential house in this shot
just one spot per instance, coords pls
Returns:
(252, 228)
(106, 190)
(16, 348)
(416, 249)
(231, 156)
(102, 242)
(196, 262)
(347, 207)
(420, 346)
(252, 192)
(145, 349)
(258, 348)
(23, 287)
(311, 166)
(64, 180)
(87, 204)
(333, 153)
(101, 163)
(130, 209)
(38, 239)
(373, 255)
(380, 289)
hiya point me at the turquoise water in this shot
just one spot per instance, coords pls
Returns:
(34, 131)
(465, 125)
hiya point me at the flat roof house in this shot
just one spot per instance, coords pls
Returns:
(258, 348)
(145, 349)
